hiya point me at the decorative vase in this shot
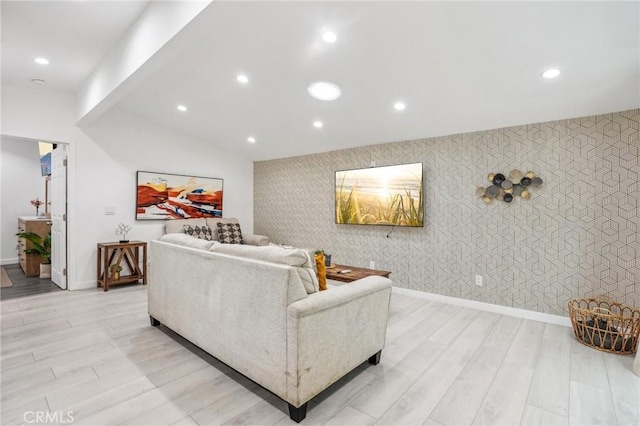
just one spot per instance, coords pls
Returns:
(45, 270)
(327, 260)
(115, 276)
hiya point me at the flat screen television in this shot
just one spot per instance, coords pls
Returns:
(389, 195)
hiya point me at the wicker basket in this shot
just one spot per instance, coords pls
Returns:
(605, 325)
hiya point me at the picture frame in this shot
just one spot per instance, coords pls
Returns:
(167, 196)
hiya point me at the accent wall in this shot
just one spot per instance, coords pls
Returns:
(577, 236)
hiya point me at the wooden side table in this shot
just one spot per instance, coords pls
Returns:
(334, 273)
(118, 253)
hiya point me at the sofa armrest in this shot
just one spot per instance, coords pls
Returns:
(331, 332)
(255, 240)
(339, 295)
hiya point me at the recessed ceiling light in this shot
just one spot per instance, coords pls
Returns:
(324, 91)
(41, 61)
(251, 139)
(317, 124)
(551, 73)
(242, 78)
(37, 81)
(329, 37)
(400, 106)
(182, 108)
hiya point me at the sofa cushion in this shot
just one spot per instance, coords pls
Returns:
(175, 226)
(214, 221)
(255, 240)
(295, 257)
(229, 233)
(199, 232)
(187, 241)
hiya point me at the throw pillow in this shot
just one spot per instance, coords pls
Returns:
(229, 233)
(322, 271)
(201, 232)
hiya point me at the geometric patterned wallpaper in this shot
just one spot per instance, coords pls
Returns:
(577, 236)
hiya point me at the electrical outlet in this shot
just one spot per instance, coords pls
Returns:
(109, 210)
(479, 280)
(372, 264)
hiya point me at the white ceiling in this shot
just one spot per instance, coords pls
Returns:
(459, 67)
(73, 35)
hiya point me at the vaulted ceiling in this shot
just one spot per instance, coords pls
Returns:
(457, 66)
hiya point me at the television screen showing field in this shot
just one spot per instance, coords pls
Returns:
(390, 195)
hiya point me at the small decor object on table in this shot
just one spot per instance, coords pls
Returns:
(37, 203)
(123, 230)
(321, 269)
(114, 270)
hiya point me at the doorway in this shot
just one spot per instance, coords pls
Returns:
(34, 189)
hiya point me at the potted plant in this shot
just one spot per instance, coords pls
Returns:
(114, 271)
(41, 247)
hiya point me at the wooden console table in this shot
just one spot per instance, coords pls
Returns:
(333, 273)
(115, 254)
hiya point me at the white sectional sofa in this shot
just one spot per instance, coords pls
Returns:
(257, 316)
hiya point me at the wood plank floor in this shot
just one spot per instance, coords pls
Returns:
(24, 286)
(95, 355)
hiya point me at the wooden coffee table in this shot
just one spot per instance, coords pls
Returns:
(333, 273)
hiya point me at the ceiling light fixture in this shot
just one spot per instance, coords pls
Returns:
(329, 37)
(38, 81)
(182, 108)
(317, 124)
(251, 139)
(551, 73)
(400, 106)
(41, 61)
(242, 78)
(324, 91)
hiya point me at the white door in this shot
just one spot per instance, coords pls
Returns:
(59, 216)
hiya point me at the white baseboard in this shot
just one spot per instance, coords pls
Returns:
(498, 309)
(8, 261)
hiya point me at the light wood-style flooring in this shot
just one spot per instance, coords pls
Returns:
(95, 355)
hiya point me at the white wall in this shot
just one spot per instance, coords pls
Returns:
(104, 158)
(20, 182)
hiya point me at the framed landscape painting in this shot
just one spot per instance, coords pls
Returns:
(168, 196)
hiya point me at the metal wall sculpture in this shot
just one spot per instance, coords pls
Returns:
(506, 188)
